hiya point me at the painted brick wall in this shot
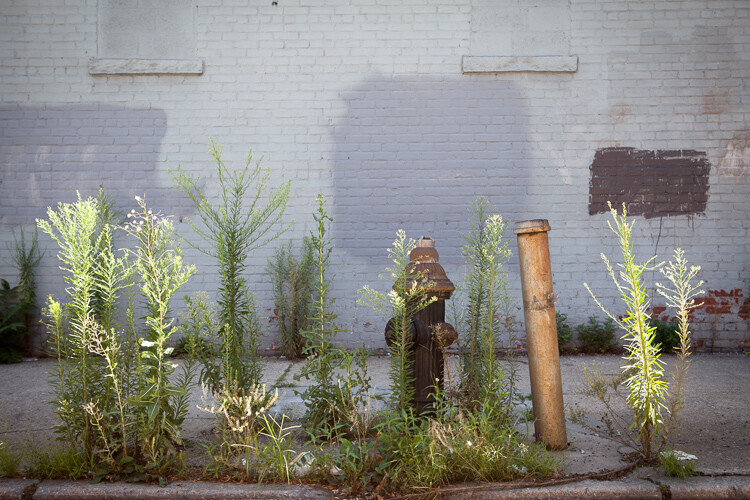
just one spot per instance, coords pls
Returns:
(366, 103)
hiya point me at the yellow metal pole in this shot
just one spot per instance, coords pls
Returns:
(541, 333)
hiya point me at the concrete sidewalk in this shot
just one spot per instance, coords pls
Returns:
(715, 428)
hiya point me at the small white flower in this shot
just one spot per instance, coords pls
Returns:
(468, 443)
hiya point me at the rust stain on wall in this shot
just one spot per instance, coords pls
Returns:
(715, 102)
(650, 183)
(620, 113)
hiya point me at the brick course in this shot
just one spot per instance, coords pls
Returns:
(366, 103)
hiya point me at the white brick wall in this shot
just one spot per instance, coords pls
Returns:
(366, 103)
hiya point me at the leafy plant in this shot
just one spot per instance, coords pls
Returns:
(564, 332)
(666, 336)
(597, 337)
(292, 289)
(407, 296)
(81, 377)
(488, 310)
(10, 461)
(234, 228)
(13, 330)
(158, 262)
(114, 394)
(331, 399)
(459, 445)
(199, 328)
(237, 413)
(680, 295)
(675, 466)
(645, 384)
(18, 304)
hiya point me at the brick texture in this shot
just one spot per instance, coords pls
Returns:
(366, 103)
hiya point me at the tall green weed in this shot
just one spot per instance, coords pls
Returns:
(488, 311)
(292, 290)
(239, 224)
(333, 400)
(408, 295)
(649, 394)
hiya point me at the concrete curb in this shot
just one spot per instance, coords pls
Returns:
(624, 489)
(184, 490)
(13, 489)
(630, 488)
(708, 487)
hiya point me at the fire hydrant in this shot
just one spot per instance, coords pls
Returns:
(429, 334)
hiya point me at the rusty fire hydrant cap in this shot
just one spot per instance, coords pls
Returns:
(425, 259)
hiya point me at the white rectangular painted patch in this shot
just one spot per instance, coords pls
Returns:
(146, 67)
(506, 64)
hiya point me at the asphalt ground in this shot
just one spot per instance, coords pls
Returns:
(715, 427)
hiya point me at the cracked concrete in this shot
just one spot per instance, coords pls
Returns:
(714, 427)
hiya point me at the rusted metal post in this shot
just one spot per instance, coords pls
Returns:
(541, 333)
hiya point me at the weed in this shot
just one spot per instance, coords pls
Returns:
(645, 384)
(26, 257)
(666, 336)
(235, 227)
(81, 377)
(114, 389)
(282, 382)
(237, 412)
(643, 374)
(331, 400)
(597, 337)
(408, 295)
(18, 304)
(199, 328)
(675, 466)
(10, 460)
(489, 308)
(158, 261)
(275, 456)
(13, 330)
(603, 387)
(564, 332)
(577, 414)
(292, 289)
(57, 462)
(458, 446)
(680, 295)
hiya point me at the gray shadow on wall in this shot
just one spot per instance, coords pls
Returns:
(414, 153)
(47, 152)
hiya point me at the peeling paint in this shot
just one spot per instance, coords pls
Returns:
(724, 302)
(736, 160)
(745, 309)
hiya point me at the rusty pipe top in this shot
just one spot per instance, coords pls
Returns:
(531, 226)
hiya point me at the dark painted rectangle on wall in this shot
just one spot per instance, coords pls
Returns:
(650, 183)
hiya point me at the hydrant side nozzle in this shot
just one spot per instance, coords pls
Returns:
(390, 329)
